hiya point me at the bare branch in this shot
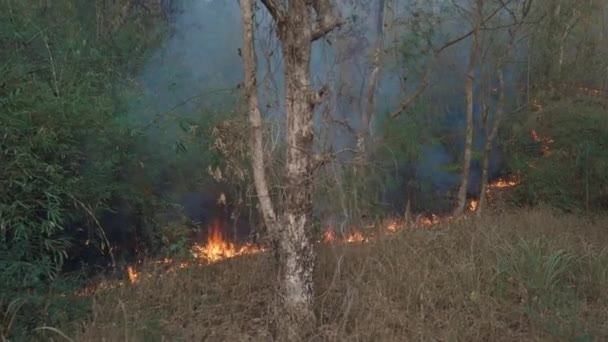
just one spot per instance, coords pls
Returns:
(327, 20)
(419, 91)
(317, 96)
(276, 8)
(436, 52)
(321, 159)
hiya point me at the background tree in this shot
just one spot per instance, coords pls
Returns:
(476, 17)
(491, 123)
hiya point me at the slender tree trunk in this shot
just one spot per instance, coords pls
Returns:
(562, 42)
(468, 144)
(490, 140)
(255, 119)
(500, 107)
(368, 114)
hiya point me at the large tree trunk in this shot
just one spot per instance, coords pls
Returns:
(294, 236)
(468, 144)
(297, 252)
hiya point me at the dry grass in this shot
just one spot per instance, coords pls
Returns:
(525, 275)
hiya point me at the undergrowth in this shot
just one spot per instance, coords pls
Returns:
(521, 275)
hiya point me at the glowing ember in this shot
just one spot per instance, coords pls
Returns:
(473, 205)
(132, 274)
(589, 91)
(392, 226)
(429, 220)
(504, 183)
(355, 237)
(544, 141)
(217, 248)
(329, 235)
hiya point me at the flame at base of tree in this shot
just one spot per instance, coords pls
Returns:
(217, 248)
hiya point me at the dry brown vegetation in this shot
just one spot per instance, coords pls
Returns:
(520, 275)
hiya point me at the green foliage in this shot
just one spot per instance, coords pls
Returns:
(67, 155)
(572, 172)
(549, 283)
(536, 267)
(594, 275)
(360, 191)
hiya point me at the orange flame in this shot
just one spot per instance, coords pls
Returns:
(329, 235)
(392, 226)
(355, 237)
(429, 221)
(504, 183)
(132, 274)
(473, 205)
(545, 142)
(217, 248)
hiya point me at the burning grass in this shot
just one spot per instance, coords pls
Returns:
(218, 248)
(524, 275)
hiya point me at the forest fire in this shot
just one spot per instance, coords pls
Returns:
(355, 237)
(132, 274)
(430, 220)
(545, 142)
(218, 248)
(504, 183)
(590, 91)
(330, 237)
(473, 205)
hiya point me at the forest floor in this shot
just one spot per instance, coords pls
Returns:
(519, 275)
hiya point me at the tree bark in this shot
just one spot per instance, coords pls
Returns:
(297, 251)
(297, 30)
(468, 144)
(255, 119)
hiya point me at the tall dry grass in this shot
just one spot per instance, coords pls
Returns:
(520, 275)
